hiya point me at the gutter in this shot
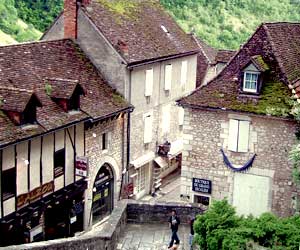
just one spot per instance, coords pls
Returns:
(159, 59)
(235, 111)
(90, 119)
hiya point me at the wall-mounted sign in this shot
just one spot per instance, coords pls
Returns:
(35, 193)
(81, 166)
(202, 185)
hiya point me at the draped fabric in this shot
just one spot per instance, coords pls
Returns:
(243, 168)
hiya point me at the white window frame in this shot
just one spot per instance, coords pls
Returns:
(183, 75)
(168, 77)
(148, 123)
(238, 138)
(244, 81)
(141, 179)
(149, 82)
(180, 116)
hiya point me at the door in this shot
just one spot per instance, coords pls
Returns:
(251, 194)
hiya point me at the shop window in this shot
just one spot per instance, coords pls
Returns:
(59, 162)
(238, 138)
(204, 200)
(8, 183)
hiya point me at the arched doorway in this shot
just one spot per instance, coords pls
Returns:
(103, 193)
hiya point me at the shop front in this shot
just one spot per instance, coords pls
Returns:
(49, 216)
(103, 191)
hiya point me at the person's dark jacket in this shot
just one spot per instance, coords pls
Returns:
(174, 221)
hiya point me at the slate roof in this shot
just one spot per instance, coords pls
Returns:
(14, 99)
(278, 47)
(28, 67)
(139, 26)
(223, 56)
(62, 88)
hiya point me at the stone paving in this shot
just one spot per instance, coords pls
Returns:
(151, 237)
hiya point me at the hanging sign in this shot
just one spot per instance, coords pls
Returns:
(81, 166)
(202, 185)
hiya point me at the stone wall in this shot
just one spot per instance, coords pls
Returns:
(206, 132)
(143, 212)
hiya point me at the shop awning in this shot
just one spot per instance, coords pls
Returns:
(161, 162)
(137, 163)
(176, 148)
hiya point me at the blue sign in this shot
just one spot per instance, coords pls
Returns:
(202, 185)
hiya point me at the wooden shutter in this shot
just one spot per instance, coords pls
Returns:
(233, 134)
(166, 118)
(149, 82)
(181, 116)
(183, 72)
(148, 129)
(243, 140)
(168, 76)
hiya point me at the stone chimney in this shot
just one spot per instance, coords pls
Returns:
(70, 19)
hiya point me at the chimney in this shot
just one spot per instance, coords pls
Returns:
(70, 19)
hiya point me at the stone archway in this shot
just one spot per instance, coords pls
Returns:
(103, 193)
(94, 170)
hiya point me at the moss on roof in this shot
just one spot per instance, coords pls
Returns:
(120, 7)
(274, 100)
(259, 61)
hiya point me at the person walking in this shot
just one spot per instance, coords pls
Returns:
(191, 238)
(174, 222)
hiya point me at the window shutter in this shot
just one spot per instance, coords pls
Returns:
(233, 134)
(181, 116)
(149, 82)
(108, 140)
(243, 136)
(148, 129)
(168, 76)
(166, 119)
(183, 72)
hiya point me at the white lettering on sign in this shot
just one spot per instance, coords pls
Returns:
(201, 185)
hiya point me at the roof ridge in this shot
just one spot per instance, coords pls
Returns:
(16, 89)
(35, 42)
(199, 45)
(275, 53)
(281, 22)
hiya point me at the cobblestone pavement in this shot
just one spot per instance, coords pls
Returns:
(151, 237)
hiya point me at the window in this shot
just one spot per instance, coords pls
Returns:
(105, 140)
(141, 178)
(238, 135)
(149, 82)
(168, 76)
(250, 81)
(8, 183)
(180, 116)
(183, 73)
(166, 119)
(147, 128)
(59, 162)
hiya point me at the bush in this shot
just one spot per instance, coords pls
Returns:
(221, 228)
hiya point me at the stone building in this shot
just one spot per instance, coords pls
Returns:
(238, 130)
(151, 61)
(57, 115)
(210, 61)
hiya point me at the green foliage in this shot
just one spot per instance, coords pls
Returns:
(39, 13)
(221, 228)
(11, 24)
(229, 23)
(48, 89)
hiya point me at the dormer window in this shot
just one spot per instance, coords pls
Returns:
(66, 93)
(19, 105)
(250, 83)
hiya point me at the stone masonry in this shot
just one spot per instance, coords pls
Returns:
(206, 132)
